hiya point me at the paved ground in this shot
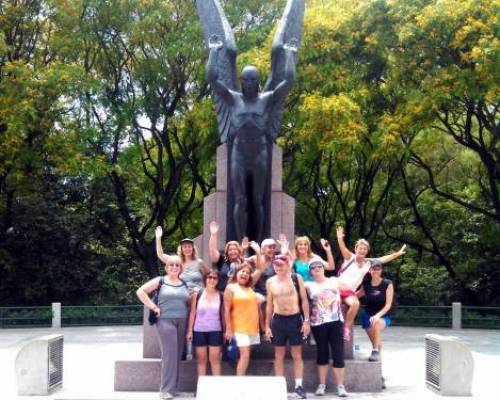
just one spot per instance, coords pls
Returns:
(89, 355)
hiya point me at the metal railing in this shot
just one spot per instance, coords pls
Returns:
(401, 315)
(101, 315)
(22, 317)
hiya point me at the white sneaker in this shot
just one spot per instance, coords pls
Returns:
(320, 390)
(166, 396)
(341, 392)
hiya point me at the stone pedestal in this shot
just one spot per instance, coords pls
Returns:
(282, 216)
(144, 375)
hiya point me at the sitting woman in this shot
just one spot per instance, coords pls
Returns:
(206, 325)
(171, 310)
(377, 293)
(303, 256)
(193, 268)
(353, 270)
(241, 314)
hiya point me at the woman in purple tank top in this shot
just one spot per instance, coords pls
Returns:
(206, 325)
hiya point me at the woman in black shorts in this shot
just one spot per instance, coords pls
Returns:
(206, 325)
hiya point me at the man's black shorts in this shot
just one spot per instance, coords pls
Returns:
(286, 328)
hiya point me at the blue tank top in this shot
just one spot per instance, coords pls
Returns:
(302, 268)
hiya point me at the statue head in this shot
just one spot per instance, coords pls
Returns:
(250, 81)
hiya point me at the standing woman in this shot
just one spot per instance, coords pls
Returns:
(303, 256)
(327, 325)
(241, 314)
(206, 325)
(193, 268)
(378, 294)
(172, 311)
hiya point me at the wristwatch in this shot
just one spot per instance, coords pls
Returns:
(306, 319)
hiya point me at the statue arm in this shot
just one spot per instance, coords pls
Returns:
(290, 74)
(213, 76)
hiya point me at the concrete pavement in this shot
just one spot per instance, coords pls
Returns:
(90, 352)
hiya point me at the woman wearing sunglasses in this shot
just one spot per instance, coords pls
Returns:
(172, 311)
(206, 325)
(377, 293)
(327, 325)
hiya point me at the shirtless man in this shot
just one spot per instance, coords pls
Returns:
(284, 321)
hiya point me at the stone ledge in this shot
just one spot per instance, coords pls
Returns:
(144, 375)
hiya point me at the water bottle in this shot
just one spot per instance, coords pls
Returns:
(356, 350)
(189, 350)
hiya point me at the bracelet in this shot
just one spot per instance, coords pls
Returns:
(306, 319)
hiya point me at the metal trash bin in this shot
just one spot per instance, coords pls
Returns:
(449, 366)
(39, 366)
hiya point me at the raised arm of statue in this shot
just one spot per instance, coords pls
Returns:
(285, 85)
(215, 45)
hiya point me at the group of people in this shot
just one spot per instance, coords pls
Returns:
(279, 293)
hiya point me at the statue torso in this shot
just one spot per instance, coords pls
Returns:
(249, 117)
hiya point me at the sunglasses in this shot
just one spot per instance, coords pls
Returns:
(213, 277)
(315, 266)
(175, 265)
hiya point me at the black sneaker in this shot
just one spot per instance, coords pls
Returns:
(383, 383)
(300, 393)
(375, 356)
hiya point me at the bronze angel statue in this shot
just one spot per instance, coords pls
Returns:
(249, 118)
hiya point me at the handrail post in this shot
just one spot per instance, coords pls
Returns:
(56, 315)
(456, 315)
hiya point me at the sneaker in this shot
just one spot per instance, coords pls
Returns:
(341, 392)
(300, 393)
(166, 396)
(347, 334)
(320, 390)
(383, 383)
(375, 356)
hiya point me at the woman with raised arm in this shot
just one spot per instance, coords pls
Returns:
(171, 312)
(193, 268)
(241, 314)
(303, 256)
(228, 261)
(353, 270)
(378, 294)
(206, 325)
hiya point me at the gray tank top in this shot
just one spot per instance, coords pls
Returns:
(173, 301)
(191, 274)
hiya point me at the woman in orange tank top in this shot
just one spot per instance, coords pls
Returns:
(241, 313)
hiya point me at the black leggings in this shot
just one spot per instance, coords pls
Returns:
(329, 336)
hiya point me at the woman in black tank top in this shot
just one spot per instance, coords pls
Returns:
(377, 294)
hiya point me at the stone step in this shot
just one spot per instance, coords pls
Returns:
(144, 375)
(151, 346)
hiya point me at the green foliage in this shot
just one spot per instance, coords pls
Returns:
(107, 130)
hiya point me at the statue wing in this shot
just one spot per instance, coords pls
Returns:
(290, 27)
(214, 22)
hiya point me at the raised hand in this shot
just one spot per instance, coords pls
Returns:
(213, 227)
(214, 42)
(291, 45)
(255, 247)
(340, 232)
(401, 251)
(283, 242)
(158, 232)
(244, 244)
(325, 244)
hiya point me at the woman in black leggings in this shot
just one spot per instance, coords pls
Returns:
(327, 325)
